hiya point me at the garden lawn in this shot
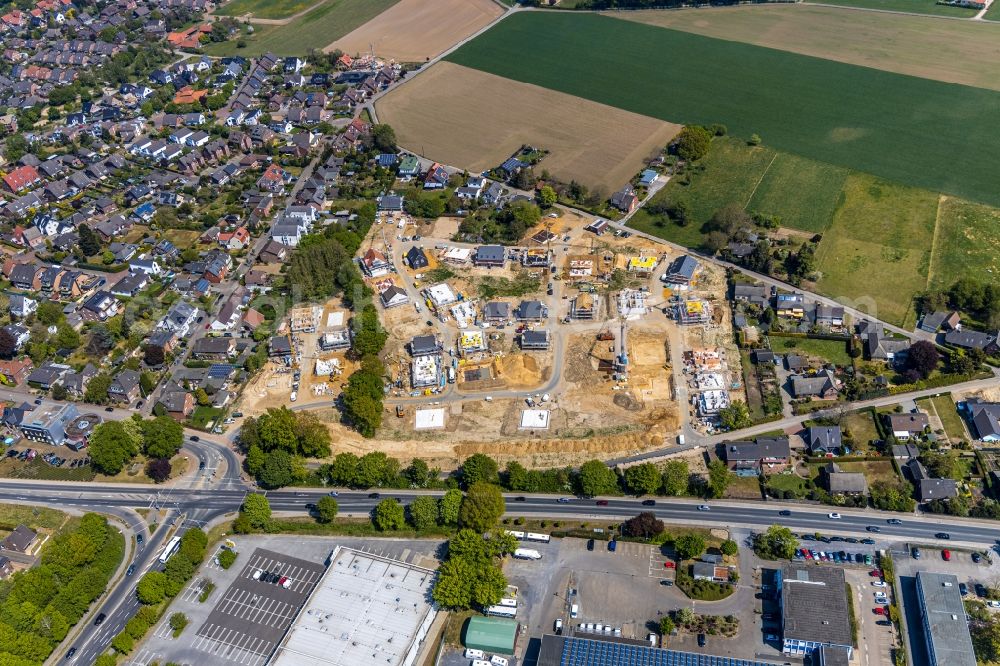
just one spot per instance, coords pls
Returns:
(876, 253)
(915, 131)
(862, 427)
(203, 415)
(36, 517)
(874, 470)
(967, 243)
(911, 6)
(265, 9)
(789, 482)
(831, 351)
(993, 13)
(948, 413)
(313, 30)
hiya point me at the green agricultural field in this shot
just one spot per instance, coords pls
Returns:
(265, 9)
(877, 250)
(967, 243)
(912, 6)
(914, 131)
(313, 30)
(803, 193)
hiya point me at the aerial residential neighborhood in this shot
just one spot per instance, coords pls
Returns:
(469, 332)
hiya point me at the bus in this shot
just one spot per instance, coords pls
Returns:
(515, 534)
(502, 611)
(532, 536)
(171, 548)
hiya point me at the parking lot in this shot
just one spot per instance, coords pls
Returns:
(245, 618)
(875, 641)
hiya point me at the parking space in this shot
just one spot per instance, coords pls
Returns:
(244, 618)
(876, 635)
(253, 614)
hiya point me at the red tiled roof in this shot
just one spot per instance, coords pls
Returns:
(21, 177)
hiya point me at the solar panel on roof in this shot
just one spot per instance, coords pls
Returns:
(595, 652)
(220, 370)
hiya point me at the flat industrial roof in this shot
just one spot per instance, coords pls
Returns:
(367, 609)
(944, 614)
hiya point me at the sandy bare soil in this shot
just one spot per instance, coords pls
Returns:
(417, 30)
(475, 120)
(965, 52)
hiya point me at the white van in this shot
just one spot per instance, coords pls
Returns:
(472, 653)
(574, 611)
(498, 661)
(294, 396)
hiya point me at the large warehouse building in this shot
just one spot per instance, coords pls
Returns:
(367, 609)
(609, 651)
(814, 612)
(942, 613)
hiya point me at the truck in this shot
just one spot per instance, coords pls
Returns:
(605, 335)
(680, 440)
(527, 554)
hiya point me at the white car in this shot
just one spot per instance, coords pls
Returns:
(497, 660)
(704, 507)
(833, 516)
(993, 603)
(559, 625)
(480, 662)
(652, 639)
(879, 583)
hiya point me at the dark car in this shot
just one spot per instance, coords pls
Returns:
(195, 438)
(109, 409)
(894, 521)
(520, 498)
(784, 512)
(980, 590)
(430, 323)
(868, 542)
(942, 535)
(99, 620)
(590, 544)
(201, 465)
(602, 502)
(138, 538)
(649, 502)
(872, 528)
(963, 589)
(130, 570)
(138, 405)
(977, 558)
(851, 540)
(373, 495)
(38, 401)
(701, 640)
(667, 583)
(71, 653)
(915, 553)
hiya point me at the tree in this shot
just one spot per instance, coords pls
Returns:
(482, 507)
(279, 469)
(384, 138)
(257, 510)
(227, 558)
(389, 515)
(101, 340)
(923, 357)
(97, 388)
(777, 543)
(449, 507)
(596, 478)
(50, 313)
(375, 469)
(158, 469)
(547, 197)
(417, 473)
(675, 477)
(90, 244)
(643, 479)
(150, 589)
(719, 478)
(893, 495)
(684, 616)
(111, 447)
(177, 622)
(201, 397)
(423, 512)
(480, 467)
(162, 437)
(326, 509)
(692, 143)
(666, 626)
(342, 470)
(153, 355)
(735, 416)
(689, 546)
(729, 548)
(122, 643)
(312, 434)
(645, 525)
(8, 344)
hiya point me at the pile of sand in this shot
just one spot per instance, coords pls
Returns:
(519, 370)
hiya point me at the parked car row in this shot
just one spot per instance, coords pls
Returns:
(835, 539)
(839, 557)
(271, 577)
(478, 658)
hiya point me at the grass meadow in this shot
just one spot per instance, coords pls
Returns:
(967, 243)
(914, 131)
(265, 9)
(909, 6)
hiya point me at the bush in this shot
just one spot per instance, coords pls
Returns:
(226, 558)
(177, 622)
(123, 643)
(206, 591)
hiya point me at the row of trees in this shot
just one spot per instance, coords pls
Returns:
(38, 606)
(114, 444)
(362, 397)
(976, 299)
(278, 440)
(471, 576)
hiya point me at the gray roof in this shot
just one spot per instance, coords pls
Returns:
(932, 489)
(534, 338)
(970, 339)
(531, 310)
(424, 344)
(19, 540)
(844, 482)
(764, 447)
(905, 451)
(496, 310)
(944, 618)
(811, 386)
(814, 604)
(985, 416)
(125, 381)
(824, 438)
(490, 253)
(683, 268)
(910, 422)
